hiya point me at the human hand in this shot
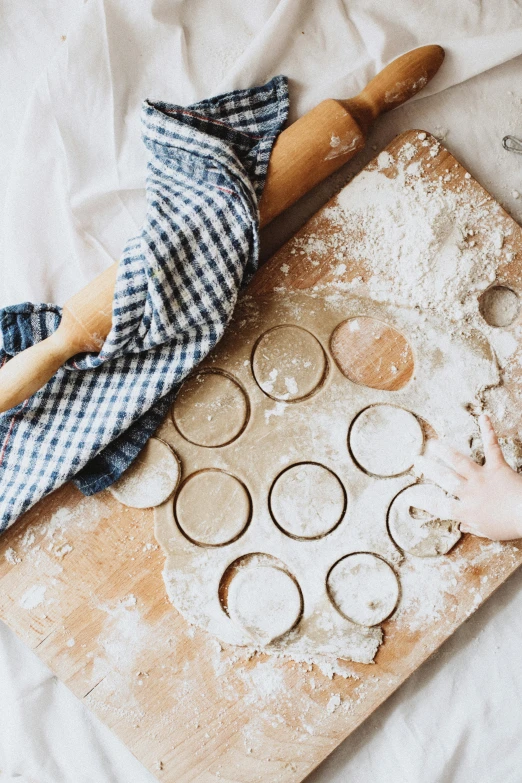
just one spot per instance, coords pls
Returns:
(485, 499)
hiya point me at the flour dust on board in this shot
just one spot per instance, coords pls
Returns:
(297, 527)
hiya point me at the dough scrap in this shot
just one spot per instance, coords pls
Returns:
(385, 439)
(211, 409)
(265, 601)
(307, 500)
(151, 479)
(417, 532)
(213, 508)
(363, 588)
(288, 363)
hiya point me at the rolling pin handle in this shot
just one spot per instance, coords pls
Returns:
(395, 84)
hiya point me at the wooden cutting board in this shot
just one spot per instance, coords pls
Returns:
(81, 584)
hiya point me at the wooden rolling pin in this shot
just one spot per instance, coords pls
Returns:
(303, 155)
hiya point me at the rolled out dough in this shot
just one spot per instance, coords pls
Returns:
(283, 434)
(289, 363)
(307, 500)
(211, 409)
(385, 439)
(265, 601)
(151, 479)
(363, 588)
(212, 508)
(416, 531)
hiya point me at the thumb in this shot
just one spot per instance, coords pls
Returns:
(492, 450)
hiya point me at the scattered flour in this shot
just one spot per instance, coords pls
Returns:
(11, 556)
(124, 636)
(277, 410)
(264, 683)
(417, 237)
(36, 543)
(33, 597)
(334, 703)
(63, 550)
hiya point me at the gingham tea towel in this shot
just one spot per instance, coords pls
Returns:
(177, 285)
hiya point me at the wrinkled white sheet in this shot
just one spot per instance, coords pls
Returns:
(71, 189)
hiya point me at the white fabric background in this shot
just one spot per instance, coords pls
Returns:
(71, 189)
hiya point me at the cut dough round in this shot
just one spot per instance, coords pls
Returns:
(371, 353)
(151, 479)
(307, 500)
(414, 530)
(211, 409)
(265, 601)
(384, 440)
(213, 508)
(363, 588)
(288, 363)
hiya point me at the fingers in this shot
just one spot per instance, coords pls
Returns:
(492, 450)
(440, 474)
(460, 463)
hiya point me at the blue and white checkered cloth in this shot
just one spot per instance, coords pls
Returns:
(178, 283)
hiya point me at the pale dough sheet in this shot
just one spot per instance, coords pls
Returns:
(464, 704)
(356, 446)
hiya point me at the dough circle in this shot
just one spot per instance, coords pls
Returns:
(151, 479)
(372, 353)
(363, 588)
(384, 440)
(288, 363)
(211, 409)
(265, 601)
(417, 532)
(213, 508)
(307, 500)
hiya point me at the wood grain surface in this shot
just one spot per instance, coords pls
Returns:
(81, 584)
